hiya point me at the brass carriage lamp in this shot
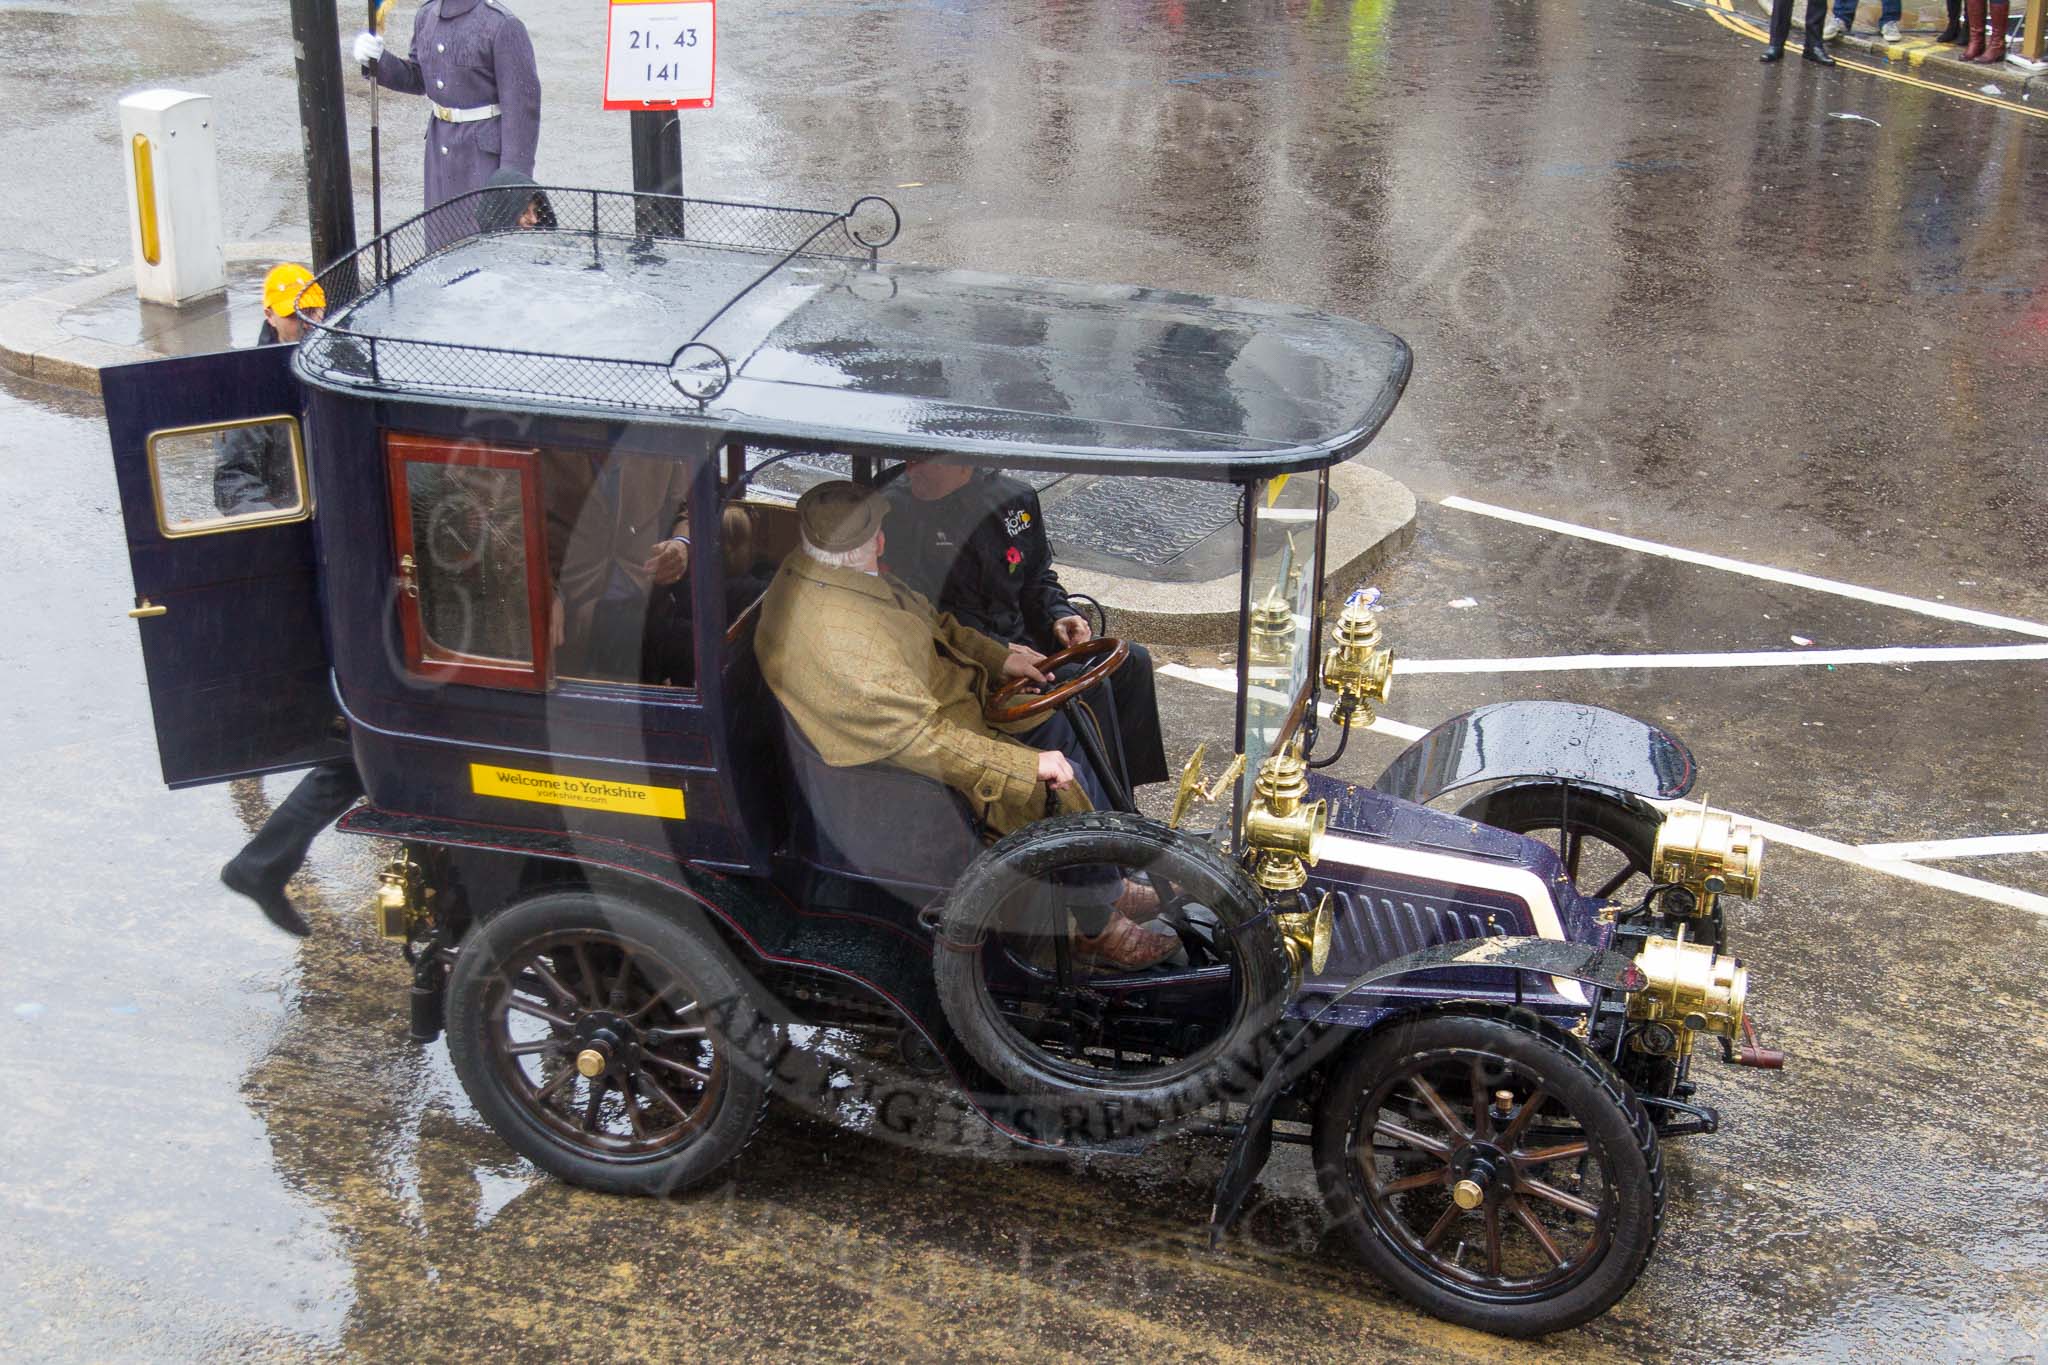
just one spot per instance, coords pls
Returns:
(1355, 667)
(1272, 630)
(1281, 829)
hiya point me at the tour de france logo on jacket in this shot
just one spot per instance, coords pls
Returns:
(1014, 522)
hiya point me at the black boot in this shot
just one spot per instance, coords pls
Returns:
(1954, 32)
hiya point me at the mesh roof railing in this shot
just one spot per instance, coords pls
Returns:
(591, 229)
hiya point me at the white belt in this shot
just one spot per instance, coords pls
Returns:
(447, 115)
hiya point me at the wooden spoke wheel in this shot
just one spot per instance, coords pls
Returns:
(1491, 1170)
(600, 1039)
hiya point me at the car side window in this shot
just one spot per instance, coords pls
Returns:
(473, 597)
(228, 476)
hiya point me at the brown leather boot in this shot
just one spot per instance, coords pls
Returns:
(1973, 20)
(1124, 946)
(1994, 43)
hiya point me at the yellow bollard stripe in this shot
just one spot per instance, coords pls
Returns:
(1723, 13)
(145, 200)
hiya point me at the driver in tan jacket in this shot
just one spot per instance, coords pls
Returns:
(870, 673)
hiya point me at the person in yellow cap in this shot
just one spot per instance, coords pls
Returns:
(289, 297)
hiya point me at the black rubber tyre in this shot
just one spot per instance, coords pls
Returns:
(1081, 1102)
(1385, 1201)
(657, 994)
(1627, 828)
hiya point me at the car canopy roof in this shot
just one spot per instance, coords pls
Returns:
(786, 326)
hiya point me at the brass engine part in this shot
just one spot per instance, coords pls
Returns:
(402, 896)
(1281, 830)
(1354, 666)
(1708, 853)
(1692, 989)
(1306, 934)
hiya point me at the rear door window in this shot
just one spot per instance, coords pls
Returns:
(228, 476)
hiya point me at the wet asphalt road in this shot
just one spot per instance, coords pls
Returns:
(1651, 288)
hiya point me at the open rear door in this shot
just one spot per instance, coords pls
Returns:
(211, 462)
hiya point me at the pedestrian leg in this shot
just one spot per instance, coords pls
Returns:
(1781, 28)
(270, 860)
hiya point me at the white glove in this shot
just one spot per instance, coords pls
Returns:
(369, 47)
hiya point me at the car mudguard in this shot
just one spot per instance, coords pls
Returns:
(1305, 1049)
(1548, 739)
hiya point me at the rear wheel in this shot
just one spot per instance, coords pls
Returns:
(602, 1040)
(1491, 1170)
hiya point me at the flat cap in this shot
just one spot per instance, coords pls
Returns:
(839, 516)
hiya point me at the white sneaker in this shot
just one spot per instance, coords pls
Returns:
(1832, 29)
(1891, 33)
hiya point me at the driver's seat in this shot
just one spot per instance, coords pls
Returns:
(873, 822)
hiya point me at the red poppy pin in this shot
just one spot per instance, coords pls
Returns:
(1014, 556)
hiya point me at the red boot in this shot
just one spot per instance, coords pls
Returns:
(1973, 18)
(1994, 46)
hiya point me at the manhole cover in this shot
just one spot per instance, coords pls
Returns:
(1150, 523)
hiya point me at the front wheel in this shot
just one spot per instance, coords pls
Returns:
(1491, 1170)
(604, 1042)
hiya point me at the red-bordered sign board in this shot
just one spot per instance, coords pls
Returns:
(660, 54)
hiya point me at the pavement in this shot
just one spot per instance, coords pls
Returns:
(1726, 414)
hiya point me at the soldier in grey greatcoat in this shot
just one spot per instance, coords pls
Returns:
(474, 63)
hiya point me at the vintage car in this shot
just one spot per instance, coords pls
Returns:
(626, 891)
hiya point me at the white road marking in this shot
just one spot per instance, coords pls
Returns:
(1754, 658)
(1927, 876)
(1943, 610)
(1224, 680)
(1933, 850)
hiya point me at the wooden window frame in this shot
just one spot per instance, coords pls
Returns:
(423, 658)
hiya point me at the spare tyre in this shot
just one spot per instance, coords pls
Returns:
(1090, 1051)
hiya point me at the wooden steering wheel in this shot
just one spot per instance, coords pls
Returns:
(1011, 702)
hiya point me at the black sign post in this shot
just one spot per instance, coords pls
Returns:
(323, 131)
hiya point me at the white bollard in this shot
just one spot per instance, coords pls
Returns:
(173, 195)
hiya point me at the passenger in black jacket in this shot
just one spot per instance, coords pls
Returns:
(975, 543)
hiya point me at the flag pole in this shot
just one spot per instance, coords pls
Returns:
(380, 11)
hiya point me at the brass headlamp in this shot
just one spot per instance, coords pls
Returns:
(1354, 666)
(1708, 853)
(1280, 828)
(1692, 989)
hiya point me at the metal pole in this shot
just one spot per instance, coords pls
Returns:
(323, 131)
(380, 10)
(657, 169)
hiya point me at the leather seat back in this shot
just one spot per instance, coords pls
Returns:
(874, 822)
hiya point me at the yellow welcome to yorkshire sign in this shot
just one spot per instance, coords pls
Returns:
(589, 793)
